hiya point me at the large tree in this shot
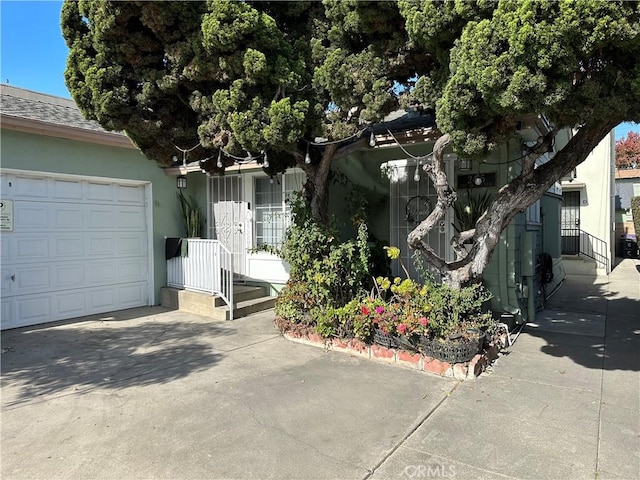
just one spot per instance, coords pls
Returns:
(222, 81)
(628, 151)
(238, 77)
(575, 62)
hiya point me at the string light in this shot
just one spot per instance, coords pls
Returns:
(185, 152)
(307, 157)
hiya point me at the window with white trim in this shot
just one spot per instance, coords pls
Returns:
(272, 212)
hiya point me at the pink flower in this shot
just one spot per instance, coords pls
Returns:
(402, 328)
(364, 310)
(424, 321)
(375, 321)
(379, 310)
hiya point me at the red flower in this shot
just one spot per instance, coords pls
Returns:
(364, 310)
(424, 321)
(402, 328)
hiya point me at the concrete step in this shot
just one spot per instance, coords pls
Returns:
(242, 309)
(247, 300)
(581, 265)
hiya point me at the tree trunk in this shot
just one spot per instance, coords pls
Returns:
(512, 198)
(317, 186)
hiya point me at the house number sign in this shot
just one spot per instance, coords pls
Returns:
(6, 216)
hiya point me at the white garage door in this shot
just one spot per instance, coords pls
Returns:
(71, 246)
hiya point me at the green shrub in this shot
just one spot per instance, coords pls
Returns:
(325, 273)
(635, 212)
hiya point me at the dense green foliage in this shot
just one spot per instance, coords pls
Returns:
(635, 213)
(325, 273)
(575, 62)
(242, 76)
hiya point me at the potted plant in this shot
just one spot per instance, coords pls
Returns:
(191, 215)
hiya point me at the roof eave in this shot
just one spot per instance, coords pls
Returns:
(38, 127)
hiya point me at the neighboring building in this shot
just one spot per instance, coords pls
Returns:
(85, 215)
(588, 212)
(627, 186)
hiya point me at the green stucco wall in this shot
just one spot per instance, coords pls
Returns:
(25, 151)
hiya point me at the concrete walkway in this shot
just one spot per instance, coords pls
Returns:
(150, 393)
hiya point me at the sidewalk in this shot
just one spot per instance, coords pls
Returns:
(564, 403)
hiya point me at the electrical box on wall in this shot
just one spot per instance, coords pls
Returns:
(527, 254)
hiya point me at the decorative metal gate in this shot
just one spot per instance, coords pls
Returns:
(570, 223)
(411, 202)
(228, 218)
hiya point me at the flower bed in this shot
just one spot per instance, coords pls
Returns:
(398, 356)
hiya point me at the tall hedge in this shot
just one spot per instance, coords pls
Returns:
(635, 212)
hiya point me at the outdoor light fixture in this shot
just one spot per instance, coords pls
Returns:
(416, 175)
(174, 158)
(478, 180)
(219, 164)
(265, 164)
(464, 164)
(372, 140)
(181, 182)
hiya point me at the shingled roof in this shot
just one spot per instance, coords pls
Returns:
(26, 104)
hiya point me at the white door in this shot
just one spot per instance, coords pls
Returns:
(73, 246)
(228, 222)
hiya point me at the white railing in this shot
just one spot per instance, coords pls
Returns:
(208, 267)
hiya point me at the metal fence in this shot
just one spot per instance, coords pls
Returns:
(207, 267)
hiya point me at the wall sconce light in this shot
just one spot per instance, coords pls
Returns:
(181, 182)
(464, 164)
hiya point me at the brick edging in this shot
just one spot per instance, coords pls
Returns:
(402, 358)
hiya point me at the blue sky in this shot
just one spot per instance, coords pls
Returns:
(33, 54)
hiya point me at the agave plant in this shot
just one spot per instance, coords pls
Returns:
(191, 215)
(467, 214)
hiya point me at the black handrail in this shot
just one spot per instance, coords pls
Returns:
(576, 241)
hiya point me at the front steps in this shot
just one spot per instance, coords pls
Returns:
(246, 299)
(581, 265)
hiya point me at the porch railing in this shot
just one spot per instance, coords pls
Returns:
(578, 242)
(208, 267)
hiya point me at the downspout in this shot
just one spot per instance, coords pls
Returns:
(531, 300)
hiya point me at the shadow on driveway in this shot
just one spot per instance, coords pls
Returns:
(71, 357)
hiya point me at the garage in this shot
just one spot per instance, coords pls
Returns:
(72, 246)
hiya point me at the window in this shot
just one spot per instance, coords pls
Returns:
(533, 213)
(272, 211)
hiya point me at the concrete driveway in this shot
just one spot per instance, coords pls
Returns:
(157, 394)
(151, 393)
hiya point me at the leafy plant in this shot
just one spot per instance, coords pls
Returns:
(324, 272)
(191, 215)
(467, 215)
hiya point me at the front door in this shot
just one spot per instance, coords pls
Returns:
(411, 202)
(570, 223)
(228, 222)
